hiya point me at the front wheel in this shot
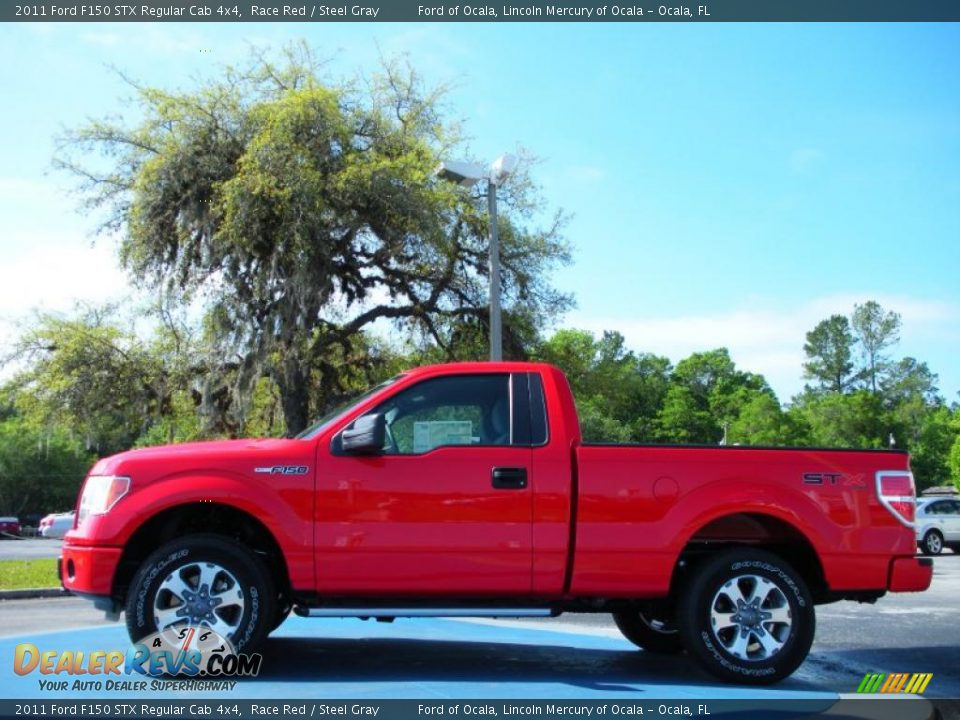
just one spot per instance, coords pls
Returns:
(281, 613)
(746, 616)
(653, 634)
(932, 543)
(203, 580)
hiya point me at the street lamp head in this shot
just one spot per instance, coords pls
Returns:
(465, 174)
(502, 167)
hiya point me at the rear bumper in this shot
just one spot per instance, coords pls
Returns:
(910, 574)
(88, 570)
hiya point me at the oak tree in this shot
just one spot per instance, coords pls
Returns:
(304, 212)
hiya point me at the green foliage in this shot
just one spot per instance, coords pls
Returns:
(762, 421)
(88, 374)
(179, 423)
(618, 392)
(705, 395)
(930, 450)
(877, 401)
(596, 425)
(305, 211)
(875, 330)
(829, 349)
(954, 461)
(40, 470)
(853, 420)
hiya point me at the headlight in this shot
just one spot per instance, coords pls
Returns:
(100, 493)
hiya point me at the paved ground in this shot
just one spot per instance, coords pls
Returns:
(576, 656)
(29, 548)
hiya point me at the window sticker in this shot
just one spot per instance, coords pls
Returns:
(433, 433)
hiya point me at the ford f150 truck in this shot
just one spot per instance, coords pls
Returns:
(465, 490)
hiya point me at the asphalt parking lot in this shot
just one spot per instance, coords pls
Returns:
(575, 656)
(29, 548)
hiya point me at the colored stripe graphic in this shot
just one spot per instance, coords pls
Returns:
(891, 679)
(894, 683)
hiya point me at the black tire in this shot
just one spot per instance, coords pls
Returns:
(769, 649)
(281, 613)
(234, 568)
(649, 633)
(932, 543)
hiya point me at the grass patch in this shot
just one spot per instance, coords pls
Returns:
(21, 574)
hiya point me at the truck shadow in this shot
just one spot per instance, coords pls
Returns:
(334, 660)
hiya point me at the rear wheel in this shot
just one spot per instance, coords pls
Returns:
(648, 632)
(202, 580)
(932, 543)
(746, 616)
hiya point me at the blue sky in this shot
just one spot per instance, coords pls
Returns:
(730, 185)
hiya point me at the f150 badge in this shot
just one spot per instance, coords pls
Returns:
(854, 481)
(282, 470)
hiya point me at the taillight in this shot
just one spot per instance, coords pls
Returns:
(897, 494)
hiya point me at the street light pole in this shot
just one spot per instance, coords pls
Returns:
(496, 328)
(467, 174)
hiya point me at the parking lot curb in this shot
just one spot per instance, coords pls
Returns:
(30, 593)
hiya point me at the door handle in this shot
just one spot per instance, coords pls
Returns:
(509, 478)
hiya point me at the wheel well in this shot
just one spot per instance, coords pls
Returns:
(214, 518)
(756, 530)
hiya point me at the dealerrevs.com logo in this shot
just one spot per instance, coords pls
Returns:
(182, 657)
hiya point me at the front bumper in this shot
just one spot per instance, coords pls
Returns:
(88, 570)
(910, 574)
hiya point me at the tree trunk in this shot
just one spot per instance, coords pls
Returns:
(293, 393)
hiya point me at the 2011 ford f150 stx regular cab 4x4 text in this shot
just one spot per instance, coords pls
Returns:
(465, 490)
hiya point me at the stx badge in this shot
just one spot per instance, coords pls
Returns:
(853, 481)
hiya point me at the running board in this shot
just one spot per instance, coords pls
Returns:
(377, 612)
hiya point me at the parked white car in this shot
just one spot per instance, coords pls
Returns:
(938, 524)
(55, 525)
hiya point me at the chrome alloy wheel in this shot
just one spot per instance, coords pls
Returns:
(200, 593)
(751, 617)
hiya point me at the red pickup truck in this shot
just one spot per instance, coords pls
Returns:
(465, 490)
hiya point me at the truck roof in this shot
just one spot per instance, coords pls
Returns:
(486, 366)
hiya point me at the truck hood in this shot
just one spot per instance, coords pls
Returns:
(233, 455)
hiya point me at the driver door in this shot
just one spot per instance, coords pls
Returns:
(445, 509)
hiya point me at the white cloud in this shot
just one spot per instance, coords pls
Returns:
(766, 337)
(53, 275)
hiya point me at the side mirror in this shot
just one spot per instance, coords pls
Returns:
(366, 435)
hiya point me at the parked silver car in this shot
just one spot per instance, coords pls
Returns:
(938, 524)
(55, 525)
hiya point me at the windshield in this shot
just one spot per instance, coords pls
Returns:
(320, 425)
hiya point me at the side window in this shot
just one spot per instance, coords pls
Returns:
(455, 410)
(937, 508)
(538, 411)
